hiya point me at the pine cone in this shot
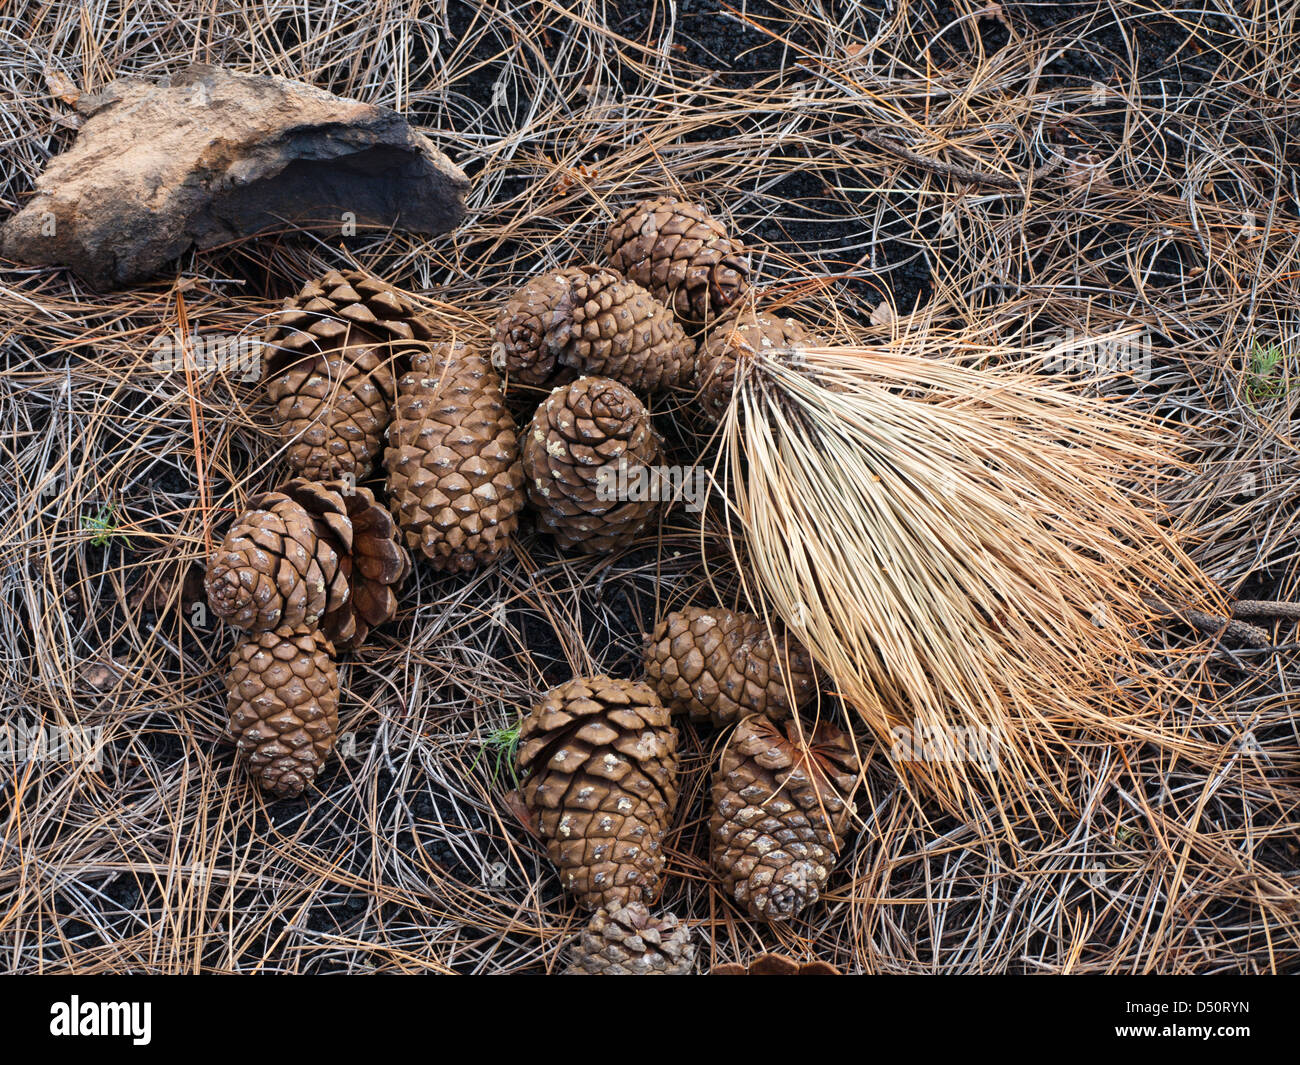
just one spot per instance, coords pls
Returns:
(739, 336)
(283, 700)
(775, 965)
(719, 665)
(682, 254)
(772, 843)
(309, 554)
(455, 481)
(628, 941)
(591, 320)
(523, 341)
(374, 565)
(615, 328)
(329, 371)
(601, 761)
(274, 569)
(580, 439)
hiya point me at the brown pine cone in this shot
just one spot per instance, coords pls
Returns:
(615, 328)
(274, 570)
(282, 694)
(721, 665)
(455, 481)
(580, 439)
(628, 941)
(739, 336)
(779, 814)
(600, 762)
(775, 965)
(682, 254)
(591, 320)
(329, 370)
(373, 563)
(523, 340)
(309, 553)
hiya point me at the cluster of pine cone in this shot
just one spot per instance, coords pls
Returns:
(359, 378)
(599, 760)
(599, 754)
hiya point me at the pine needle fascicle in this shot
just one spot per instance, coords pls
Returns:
(970, 555)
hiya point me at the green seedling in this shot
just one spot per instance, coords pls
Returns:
(103, 525)
(1266, 380)
(500, 745)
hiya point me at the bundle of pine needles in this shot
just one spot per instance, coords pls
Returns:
(974, 555)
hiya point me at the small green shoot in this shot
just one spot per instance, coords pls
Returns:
(1266, 380)
(103, 525)
(502, 743)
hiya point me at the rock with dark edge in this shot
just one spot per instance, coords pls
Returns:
(210, 156)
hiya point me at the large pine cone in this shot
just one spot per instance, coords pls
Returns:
(775, 965)
(594, 321)
(739, 336)
(309, 553)
(779, 814)
(329, 371)
(584, 440)
(283, 700)
(721, 665)
(682, 254)
(455, 481)
(629, 941)
(600, 758)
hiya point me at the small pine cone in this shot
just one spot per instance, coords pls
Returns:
(523, 340)
(309, 553)
(274, 570)
(720, 665)
(628, 941)
(585, 438)
(282, 693)
(775, 965)
(772, 843)
(455, 481)
(600, 758)
(329, 371)
(591, 320)
(615, 328)
(682, 254)
(739, 336)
